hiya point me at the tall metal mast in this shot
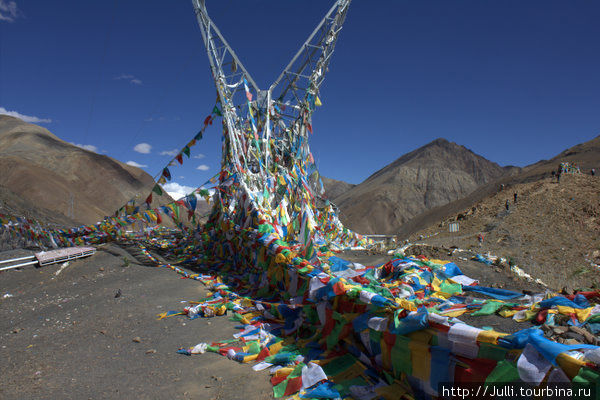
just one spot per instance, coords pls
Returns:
(287, 104)
(265, 131)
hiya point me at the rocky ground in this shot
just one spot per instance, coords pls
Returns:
(65, 334)
(552, 232)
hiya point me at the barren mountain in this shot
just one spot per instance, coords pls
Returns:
(62, 178)
(431, 176)
(335, 188)
(586, 155)
(14, 205)
(552, 231)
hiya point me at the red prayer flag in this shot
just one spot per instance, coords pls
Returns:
(293, 386)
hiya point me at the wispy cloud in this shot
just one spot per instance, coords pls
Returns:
(199, 156)
(127, 77)
(143, 148)
(203, 167)
(171, 153)
(27, 118)
(134, 164)
(89, 147)
(177, 190)
(9, 11)
(150, 119)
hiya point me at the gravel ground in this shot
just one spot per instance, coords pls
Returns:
(67, 336)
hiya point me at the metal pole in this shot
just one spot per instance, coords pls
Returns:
(18, 265)
(17, 259)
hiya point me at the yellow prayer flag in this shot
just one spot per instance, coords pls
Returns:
(489, 336)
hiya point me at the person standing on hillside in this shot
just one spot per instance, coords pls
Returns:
(480, 239)
(515, 197)
(593, 172)
(507, 205)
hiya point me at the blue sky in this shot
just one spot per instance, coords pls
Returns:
(515, 81)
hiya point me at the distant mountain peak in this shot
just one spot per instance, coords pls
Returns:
(439, 142)
(430, 176)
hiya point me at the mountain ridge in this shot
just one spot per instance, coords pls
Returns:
(434, 174)
(63, 178)
(586, 155)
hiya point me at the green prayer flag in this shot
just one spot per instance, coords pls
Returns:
(279, 389)
(588, 379)
(217, 111)
(504, 372)
(450, 288)
(339, 365)
(492, 352)
(333, 338)
(254, 347)
(157, 189)
(401, 358)
(489, 308)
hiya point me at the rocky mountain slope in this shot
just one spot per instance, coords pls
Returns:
(335, 188)
(552, 232)
(44, 170)
(586, 155)
(433, 175)
(14, 205)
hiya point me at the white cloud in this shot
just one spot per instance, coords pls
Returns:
(27, 118)
(89, 147)
(127, 77)
(134, 164)
(8, 11)
(199, 155)
(160, 118)
(176, 190)
(203, 167)
(143, 148)
(171, 153)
